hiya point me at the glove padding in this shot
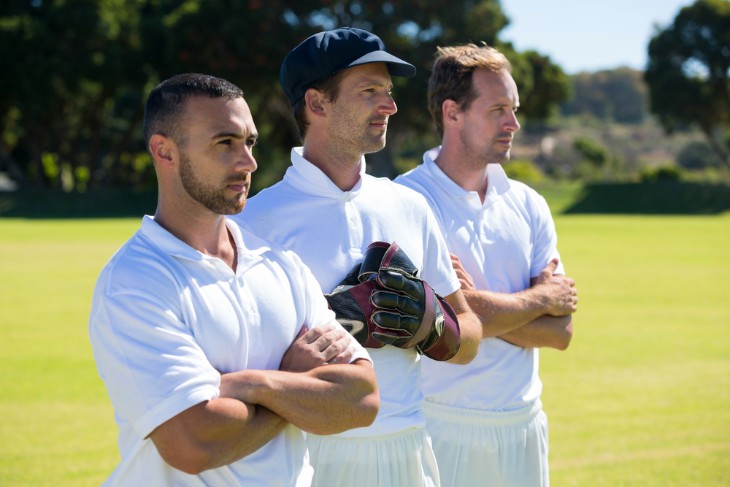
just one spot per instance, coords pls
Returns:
(382, 301)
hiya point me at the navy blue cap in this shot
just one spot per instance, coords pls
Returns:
(330, 52)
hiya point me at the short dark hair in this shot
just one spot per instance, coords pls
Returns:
(451, 76)
(330, 88)
(165, 103)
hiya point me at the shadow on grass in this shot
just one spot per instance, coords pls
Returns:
(652, 198)
(663, 197)
(49, 204)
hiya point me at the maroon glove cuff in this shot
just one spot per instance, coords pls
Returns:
(442, 345)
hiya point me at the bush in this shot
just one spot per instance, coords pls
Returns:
(525, 171)
(698, 155)
(660, 174)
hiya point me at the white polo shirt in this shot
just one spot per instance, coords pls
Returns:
(502, 244)
(167, 320)
(330, 230)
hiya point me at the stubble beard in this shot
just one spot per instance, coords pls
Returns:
(481, 154)
(207, 195)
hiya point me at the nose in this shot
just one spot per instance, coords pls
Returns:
(512, 124)
(388, 106)
(247, 162)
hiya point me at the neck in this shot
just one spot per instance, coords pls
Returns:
(200, 228)
(469, 174)
(341, 167)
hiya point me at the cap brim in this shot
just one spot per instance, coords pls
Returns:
(396, 66)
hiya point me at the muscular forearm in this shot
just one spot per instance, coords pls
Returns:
(469, 328)
(501, 313)
(325, 400)
(546, 331)
(215, 433)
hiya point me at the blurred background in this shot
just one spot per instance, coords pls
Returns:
(75, 74)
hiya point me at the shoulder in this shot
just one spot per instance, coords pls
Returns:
(271, 252)
(138, 264)
(395, 189)
(416, 178)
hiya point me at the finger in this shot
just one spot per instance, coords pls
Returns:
(329, 337)
(396, 324)
(345, 357)
(395, 301)
(465, 280)
(335, 348)
(384, 338)
(550, 268)
(398, 282)
(302, 331)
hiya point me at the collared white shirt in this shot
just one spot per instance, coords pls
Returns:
(167, 320)
(330, 230)
(502, 243)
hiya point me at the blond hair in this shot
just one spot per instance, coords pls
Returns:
(451, 76)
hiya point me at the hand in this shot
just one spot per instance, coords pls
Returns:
(400, 307)
(557, 292)
(326, 344)
(465, 279)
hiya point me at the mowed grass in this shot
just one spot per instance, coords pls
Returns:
(641, 398)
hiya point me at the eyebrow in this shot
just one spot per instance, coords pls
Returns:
(234, 135)
(374, 82)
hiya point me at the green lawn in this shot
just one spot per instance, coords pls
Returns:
(641, 398)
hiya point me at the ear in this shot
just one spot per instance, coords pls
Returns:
(451, 112)
(315, 102)
(163, 150)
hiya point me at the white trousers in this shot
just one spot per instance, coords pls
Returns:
(480, 448)
(403, 459)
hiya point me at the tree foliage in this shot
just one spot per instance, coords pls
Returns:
(688, 69)
(76, 74)
(617, 95)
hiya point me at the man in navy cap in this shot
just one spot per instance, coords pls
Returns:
(329, 211)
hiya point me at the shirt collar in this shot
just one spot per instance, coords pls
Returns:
(310, 179)
(448, 184)
(247, 255)
(498, 181)
(168, 242)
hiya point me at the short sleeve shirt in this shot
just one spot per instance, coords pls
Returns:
(167, 320)
(502, 243)
(330, 230)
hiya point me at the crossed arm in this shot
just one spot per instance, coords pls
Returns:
(316, 389)
(469, 328)
(540, 316)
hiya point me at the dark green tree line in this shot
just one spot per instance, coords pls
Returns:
(76, 74)
(689, 73)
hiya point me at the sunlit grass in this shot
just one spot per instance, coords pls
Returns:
(639, 399)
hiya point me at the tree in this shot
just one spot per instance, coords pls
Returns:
(542, 84)
(688, 69)
(617, 95)
(76, 74)
(66, 80)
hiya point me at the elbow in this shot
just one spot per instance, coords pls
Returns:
(469, 342)
(369, 408)
(366, 407)
(565, 338)
(365, 411)
(192, 463)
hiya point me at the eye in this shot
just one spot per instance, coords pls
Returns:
(225, 142)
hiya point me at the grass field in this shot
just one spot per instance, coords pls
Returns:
(641, 398)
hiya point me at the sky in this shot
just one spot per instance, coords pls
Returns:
(588, 35)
